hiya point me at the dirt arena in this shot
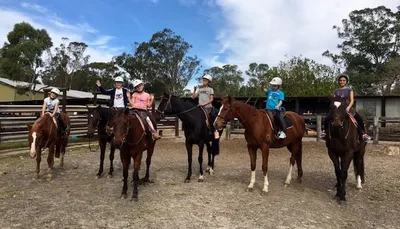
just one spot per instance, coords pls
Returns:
(75, 199)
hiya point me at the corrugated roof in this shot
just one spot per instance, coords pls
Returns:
(40, 87)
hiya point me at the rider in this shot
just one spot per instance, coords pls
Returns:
(51, 106)
(206, 97)
(275, 98)
(345, 92)
(141, 101)
(119, 96)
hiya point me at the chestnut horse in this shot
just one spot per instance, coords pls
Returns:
(344, 145)
(43, 133)
(259, 134)
(131, 139)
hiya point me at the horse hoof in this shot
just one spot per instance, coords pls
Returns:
(286, 185)
(134, 199)
(211, 172)
(187, 181)
(358, 187)
(36, 176)
(201, 180)
(109, 176)
(264, 193)
(49, 177)
(249, 189)
(299, 180)
(97, 177)
(124, 196)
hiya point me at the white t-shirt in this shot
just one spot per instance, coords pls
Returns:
(119, 98)
(51, 104)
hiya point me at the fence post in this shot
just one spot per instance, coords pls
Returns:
(376, 130)
(319, 127)
(228, 130)
(176, 126)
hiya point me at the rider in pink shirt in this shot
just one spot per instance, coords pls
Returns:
(142, 100)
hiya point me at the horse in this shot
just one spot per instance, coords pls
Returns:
(43, 133)
(344, 144)
(100, 118)
(195, 128)
(131, 138)
(259, 134)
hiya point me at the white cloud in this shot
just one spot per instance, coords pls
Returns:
(99, 48)
(267, 30)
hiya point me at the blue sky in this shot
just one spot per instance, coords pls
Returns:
(221, 31)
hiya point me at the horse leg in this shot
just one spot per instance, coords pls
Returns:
(335, 160)
(50, 162)
(126, 160)
(357, 169)
(210, 165)
(112, 151)
(189, 149)
(200, 159)
(292, 149)
(299, 156)
(38, 159)
(253, 158)
(102, 145)
(146, 178)
(265, 154)
(136, 167)
(345, 163)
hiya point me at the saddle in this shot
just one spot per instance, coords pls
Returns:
(141, 116)
(273, 123)
(208, 118)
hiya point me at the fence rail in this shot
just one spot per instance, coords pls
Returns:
(14, 120)
(380, 128)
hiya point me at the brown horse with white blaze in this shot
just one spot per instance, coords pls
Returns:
(259, 134)
(43, 134)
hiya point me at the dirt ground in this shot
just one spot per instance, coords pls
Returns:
(75, 199)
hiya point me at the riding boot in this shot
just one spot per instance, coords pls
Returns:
(282, 125)
(61, 125)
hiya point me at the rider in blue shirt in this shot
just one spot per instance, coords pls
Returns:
(275, 98)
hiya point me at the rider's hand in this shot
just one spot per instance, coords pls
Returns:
(98, 83)
(277, 107)
(195, 88)
(348, 109)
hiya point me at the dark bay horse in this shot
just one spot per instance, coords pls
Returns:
(131, 138)
(259, 134)
(344, 145)
(195, 129)
(43, 133)
(100, 118)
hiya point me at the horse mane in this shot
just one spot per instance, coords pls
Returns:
(39, 122)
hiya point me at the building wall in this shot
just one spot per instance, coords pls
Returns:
(392, 107)
(7, 93)
(36, 96)
(372, 106)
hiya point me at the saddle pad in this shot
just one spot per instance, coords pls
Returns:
(271, 119)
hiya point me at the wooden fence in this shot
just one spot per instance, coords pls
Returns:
(380, 128)
(15, 118)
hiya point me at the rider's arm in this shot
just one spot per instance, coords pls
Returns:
(128, 95)
(150, 101)
(55, 109)
(195, 93)
(132, 100)
(44, 107)
(351, 99)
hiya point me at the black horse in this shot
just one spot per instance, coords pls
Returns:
(344, 145)
(100, 118)
(195, 128)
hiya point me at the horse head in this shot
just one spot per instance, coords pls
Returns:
(93, 120)
(121, 126)
(338, 111)
(225, 113)
(36, 132)
(165, 106)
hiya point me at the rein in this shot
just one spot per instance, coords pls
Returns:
(169, 104)
(130, 143)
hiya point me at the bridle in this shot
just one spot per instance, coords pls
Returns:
(128, 127)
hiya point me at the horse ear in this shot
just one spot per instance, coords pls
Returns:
(126, 111)
(229, 98)
(29, 127)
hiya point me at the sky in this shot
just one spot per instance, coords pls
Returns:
(221, 31)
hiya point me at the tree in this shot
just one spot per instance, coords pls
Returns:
(21, 55)
(227, 79)
(370, 38)
(256, 73)
(164, 59)
(64, 63)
